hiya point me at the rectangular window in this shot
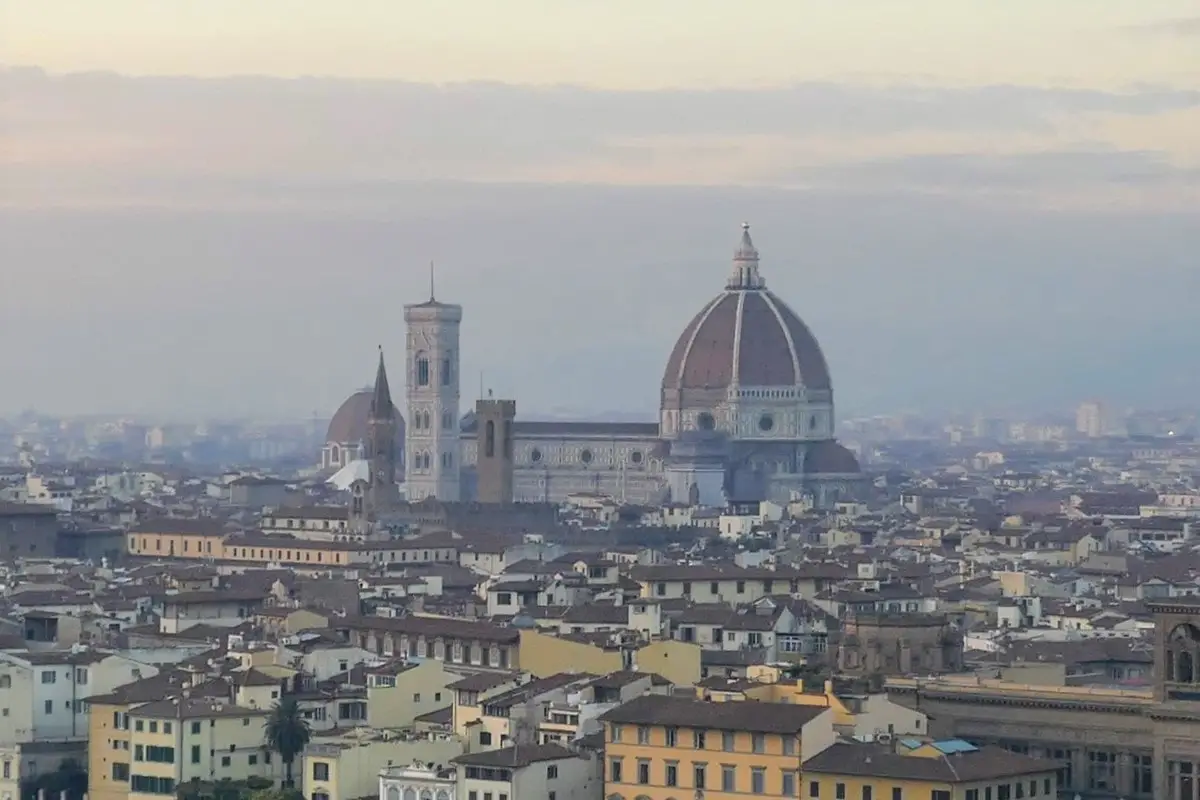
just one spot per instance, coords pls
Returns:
(789, 746)
(614, 770)
(898, 793)
(153, 726)
(758, 743)
(972, 794)
(120, 772)
(787, 784)
(615, 730)
(941, 794)
(320, 771)
(727, 741)
(672, 737)
(643, 771)
(698, 774)
(551, 772)
(195, 754)
(49, 706)
(728, 778)
(758, 780)
(195, 727)
(643, 734)
(49, 676)
(672, 773)
(867, 793)
(814, 790)
(422, 371)
(839, 791)
(166, 727)
(447, 373)
(698, 740)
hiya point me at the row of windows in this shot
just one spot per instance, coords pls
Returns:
(1015, 791)
(149, 784)
(421, 421)
(660, 589)
(393, 793)
(424, 373)
(670, 776)
(456, 652)
(424, 461)
(700, 739)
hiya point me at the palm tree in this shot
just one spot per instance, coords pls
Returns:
(287, 733)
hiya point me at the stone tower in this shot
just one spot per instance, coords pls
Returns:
(433, 446)
(494, 459)
(381, 442)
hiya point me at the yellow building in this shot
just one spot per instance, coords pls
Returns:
(177, 538)
(144, 750)
(668, 748)
(914, 770)
(111, 732)
(542, 654)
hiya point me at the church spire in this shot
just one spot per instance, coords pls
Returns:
(381, 399)
(745, 264)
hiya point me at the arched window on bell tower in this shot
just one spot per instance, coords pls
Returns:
(422, 369)
(490, 440)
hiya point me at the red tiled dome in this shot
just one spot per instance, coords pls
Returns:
(750, 334)
(746, 336)
(349, 423)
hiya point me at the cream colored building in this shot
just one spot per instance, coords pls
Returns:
(348, 765)
(206, 739)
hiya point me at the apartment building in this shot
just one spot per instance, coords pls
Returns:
(660, 747)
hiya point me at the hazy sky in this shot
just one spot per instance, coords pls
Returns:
(220, 206)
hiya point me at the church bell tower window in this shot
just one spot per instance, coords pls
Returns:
(422, 371)
(447, 370)
(490, 440)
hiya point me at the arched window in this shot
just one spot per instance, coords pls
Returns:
(1183, 650)
(410, 794)
(422, 366)
(443, 795)
(393, 793)
(489, 439)
(448, 368)
(447, 460)
(447, 421)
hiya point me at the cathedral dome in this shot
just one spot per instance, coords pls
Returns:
(830, 458)
(746, 336)
(350, 422)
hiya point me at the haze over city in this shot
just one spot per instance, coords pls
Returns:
(216, 209)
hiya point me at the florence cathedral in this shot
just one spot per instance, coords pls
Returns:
(746, 413)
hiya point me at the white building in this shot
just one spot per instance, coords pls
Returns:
(544, 771)
(416, 782)
(42, 693)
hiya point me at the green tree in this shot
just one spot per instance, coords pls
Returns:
(277, 794)
(287, 734)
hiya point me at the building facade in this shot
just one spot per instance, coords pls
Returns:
(1113, 743)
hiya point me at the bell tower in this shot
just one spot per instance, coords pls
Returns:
(494, 463)
(433, 442)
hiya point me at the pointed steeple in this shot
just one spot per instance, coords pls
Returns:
(745, 264)
(381, 399)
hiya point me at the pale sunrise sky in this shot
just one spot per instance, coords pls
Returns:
(194, 226)
(620, 43)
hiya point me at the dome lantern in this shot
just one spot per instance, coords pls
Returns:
(745, 264)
